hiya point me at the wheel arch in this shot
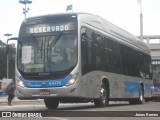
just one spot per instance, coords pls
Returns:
(105, 81)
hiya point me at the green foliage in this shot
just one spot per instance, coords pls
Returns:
(3, 61)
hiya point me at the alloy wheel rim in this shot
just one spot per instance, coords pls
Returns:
(103, 95)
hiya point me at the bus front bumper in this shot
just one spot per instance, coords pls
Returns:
(54, 92)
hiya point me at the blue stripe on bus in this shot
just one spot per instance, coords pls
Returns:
(156, 89)
(131, 86)
(134, 87)
(45, 83)
(147, 88)
(2, 93)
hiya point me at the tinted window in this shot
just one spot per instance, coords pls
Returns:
(105, 54)
(112, 56)
(135, 63)
(86, 47)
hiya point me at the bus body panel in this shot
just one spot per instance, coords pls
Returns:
(57, 92)
(120, 87)
(88, 85)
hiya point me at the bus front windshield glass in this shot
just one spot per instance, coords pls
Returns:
(51, 53)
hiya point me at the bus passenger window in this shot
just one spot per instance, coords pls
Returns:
(86, 50)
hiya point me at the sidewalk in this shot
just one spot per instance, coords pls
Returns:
(3, 101)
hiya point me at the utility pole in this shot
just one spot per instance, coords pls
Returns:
(25, 9)
(141, 25)
(7, 34)
(141, 20)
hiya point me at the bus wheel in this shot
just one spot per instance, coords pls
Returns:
(141, 96)
(51, 103)
(140, 99)
(104, 98)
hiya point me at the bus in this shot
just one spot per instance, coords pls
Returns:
(80, 57)
(156, 79)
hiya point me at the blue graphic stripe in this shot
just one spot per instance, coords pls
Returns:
(147, 87)
(131, 87)
(134, 87)
(3, 93)
(45, 83)
(156, 89)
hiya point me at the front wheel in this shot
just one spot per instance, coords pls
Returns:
(51, 103)
(104, 98)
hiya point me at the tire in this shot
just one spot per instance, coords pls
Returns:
(141, 96)
(132, 102)
(147, 100)
(51, 103)
(140, 99)
(104, 98)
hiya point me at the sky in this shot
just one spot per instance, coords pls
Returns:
(123, 13)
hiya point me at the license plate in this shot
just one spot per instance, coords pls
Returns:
(44, 92)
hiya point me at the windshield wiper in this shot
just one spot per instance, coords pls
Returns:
(54, 41)
(41, 49)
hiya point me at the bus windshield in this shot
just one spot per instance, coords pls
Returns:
(47, 53)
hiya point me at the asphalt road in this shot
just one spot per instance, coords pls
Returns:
(87, 111)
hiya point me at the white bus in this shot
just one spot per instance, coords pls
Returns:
(80, 57)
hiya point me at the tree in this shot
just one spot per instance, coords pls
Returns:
(3, 61)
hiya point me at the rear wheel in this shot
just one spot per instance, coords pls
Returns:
(141, 96)
(104, 98)
(51, 103)
(140, 99)
(147, 99)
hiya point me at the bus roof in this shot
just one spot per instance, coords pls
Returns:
(108, 27)
(101, 24)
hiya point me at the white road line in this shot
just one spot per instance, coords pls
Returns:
(57, 118)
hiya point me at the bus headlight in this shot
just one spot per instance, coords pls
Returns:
(20, 83)
(72, 80)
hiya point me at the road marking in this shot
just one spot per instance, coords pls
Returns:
(58, 118)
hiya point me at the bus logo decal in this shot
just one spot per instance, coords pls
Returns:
(43, 84)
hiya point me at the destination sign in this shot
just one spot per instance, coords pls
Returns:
(47, 28)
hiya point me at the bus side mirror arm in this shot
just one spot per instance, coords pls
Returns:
(14, 38)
